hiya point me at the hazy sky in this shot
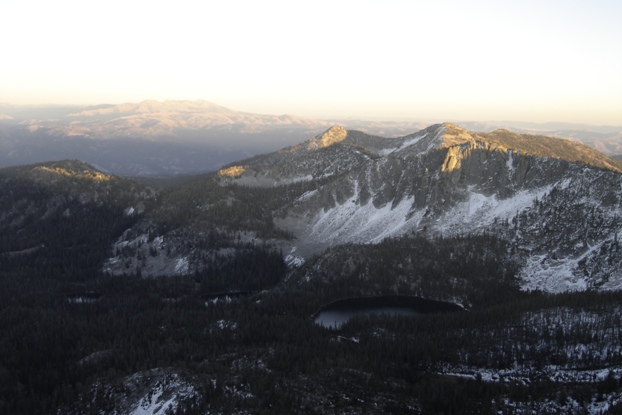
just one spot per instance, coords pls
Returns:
(463, 60)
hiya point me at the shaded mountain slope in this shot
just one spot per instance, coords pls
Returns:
(61, 218)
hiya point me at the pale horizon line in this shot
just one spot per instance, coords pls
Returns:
(316, 117)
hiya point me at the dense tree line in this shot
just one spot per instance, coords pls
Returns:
(474, 270)
(54, 349)
(207, 203)
(72, 245)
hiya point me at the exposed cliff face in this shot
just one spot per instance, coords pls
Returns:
(331, 136)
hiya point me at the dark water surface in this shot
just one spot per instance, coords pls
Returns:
(335, 314)
(335, 318)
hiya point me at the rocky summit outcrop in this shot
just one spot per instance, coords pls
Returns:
(331, 136)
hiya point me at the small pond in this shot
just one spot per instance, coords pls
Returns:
(335, 314)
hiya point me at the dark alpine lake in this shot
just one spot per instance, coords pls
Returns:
(335, 314)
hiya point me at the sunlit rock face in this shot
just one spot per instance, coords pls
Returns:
(331, 136)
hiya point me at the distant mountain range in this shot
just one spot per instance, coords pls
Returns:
(154, 138)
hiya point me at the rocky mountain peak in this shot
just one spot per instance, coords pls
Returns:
(458, 140)
(453, 135)
(329, 137)
(435, 137)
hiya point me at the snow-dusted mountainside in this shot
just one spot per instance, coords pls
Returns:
(557, 201)
(315, 159)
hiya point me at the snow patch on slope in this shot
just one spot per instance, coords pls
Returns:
(543, 273)
(306, 196)
(436, 140)
(405, 144)
(510, 163)
(353, 222)
(422, 142)
(181, 267)
(540, 273)
(481, 210)
(164, 395)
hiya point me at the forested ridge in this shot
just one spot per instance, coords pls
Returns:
(237, 335)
